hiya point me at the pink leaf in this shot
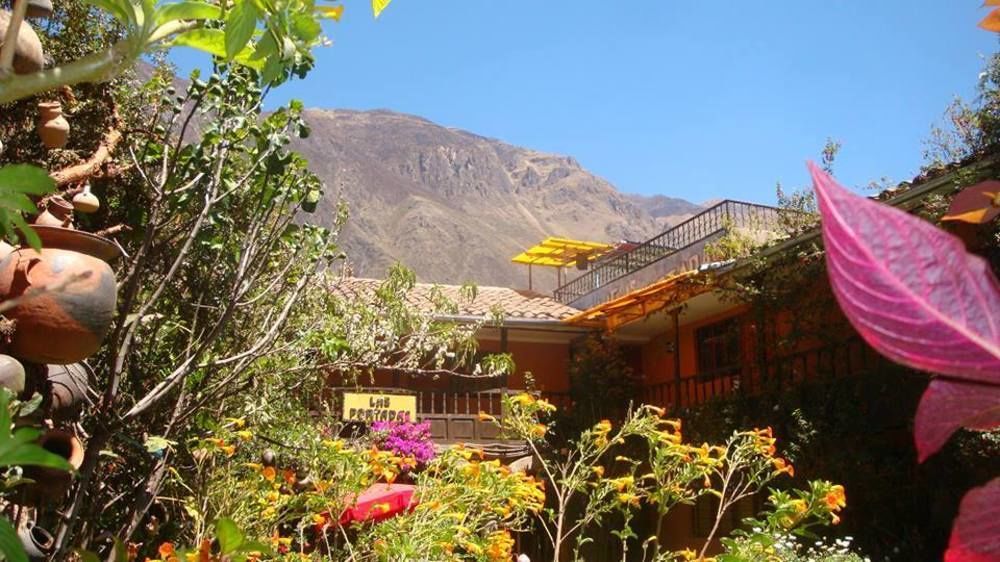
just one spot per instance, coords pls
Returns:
(910, 289)
(948, 405)
(975, 537)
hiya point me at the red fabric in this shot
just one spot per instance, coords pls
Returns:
(378, 502)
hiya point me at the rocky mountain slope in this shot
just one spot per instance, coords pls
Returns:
(455, 206)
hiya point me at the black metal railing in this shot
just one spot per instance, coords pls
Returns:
(851, 357)
(717, 218)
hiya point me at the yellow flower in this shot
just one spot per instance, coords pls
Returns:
(499, 546)
(603, 427)
(628, 498)
(524, 399)
(244, 435)
(238, 423)
(538, 430)
(622, 483)
(598, 470)
(799, 506)
(545, 406)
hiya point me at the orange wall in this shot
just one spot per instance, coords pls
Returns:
(658, 361)
(547, 362)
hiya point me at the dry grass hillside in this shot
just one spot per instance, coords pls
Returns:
(455, 206)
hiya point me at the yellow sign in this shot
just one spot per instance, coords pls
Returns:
(369, 407)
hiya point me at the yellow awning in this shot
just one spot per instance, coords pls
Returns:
(640, 303)
(562, 252)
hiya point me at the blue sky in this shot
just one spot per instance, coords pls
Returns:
(692, 99)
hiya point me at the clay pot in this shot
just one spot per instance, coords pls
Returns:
(11, 374)
(28, 55)
(39, 8)
(57, 326)
(37, 542)
(58, 212)
(5, 249)
(69, 385)
(86, 202)
(51, 484)
(268, 458)
(53, 128)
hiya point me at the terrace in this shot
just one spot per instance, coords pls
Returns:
(681, 248)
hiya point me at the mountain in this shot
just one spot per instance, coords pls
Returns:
(455, 206)
(667, 211)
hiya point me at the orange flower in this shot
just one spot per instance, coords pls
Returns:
(484, 417)
(836, 498)
(782, 466)
(166, 550)
(598, 470)
(288, 475)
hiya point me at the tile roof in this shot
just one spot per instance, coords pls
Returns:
(515, 303)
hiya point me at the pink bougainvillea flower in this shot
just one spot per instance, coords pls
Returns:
(909, 288)
(977, 204)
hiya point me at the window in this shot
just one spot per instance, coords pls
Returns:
(718, 348)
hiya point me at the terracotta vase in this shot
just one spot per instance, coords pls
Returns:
(37, 542)
(39, 8)
(5, 249)
(28, 54)
(53, 128)
(58, 212)
(51, 484)
(12, 374)
(86, 202)
(68, 387)
(66, 323)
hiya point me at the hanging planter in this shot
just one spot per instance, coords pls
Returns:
(85, 201)
(39, 9)
(37, 542)
(58, 212)
(53, 128)
(68, 388)
(51, 484)
(28, 54)
(67, 319)
(12, 376)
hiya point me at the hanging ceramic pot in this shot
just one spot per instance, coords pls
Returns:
(85, 201)
(5, 249)
(51, 484)
(37, 542)
(68, 388)
(58, 212)
(39, 8)
(53, 128)
(28, 54)
(12, 374)
(66, 323)
(268, 458)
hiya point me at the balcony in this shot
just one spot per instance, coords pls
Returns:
(678, 249)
